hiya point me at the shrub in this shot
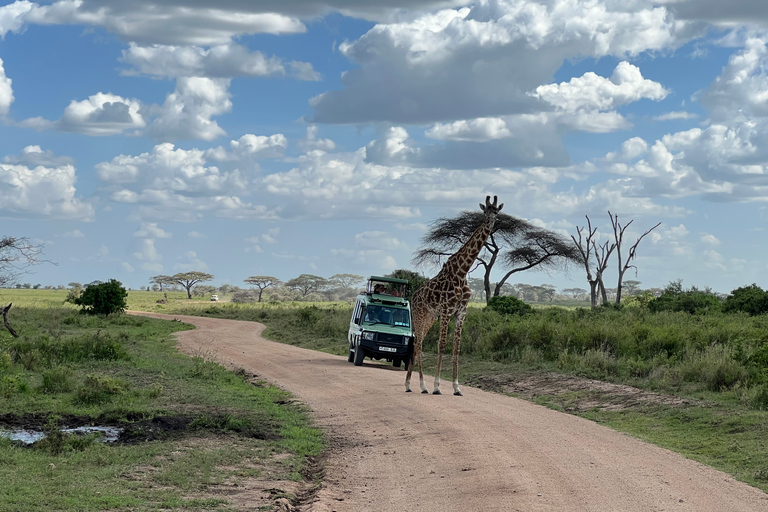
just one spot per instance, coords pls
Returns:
(98, 389)
(749, 299)
(508, 305)
(103, 298)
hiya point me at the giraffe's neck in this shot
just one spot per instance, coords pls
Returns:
(461, 262)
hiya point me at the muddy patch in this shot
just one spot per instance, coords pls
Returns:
(578, 394)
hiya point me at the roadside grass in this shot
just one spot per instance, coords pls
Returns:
(717, 362)
(191, 425)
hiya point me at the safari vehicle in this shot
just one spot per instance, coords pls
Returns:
(380, 327)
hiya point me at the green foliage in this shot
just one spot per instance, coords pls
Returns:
(692, 301)
(748, 299)
(102, 298)
(509, 305)
(415, 280)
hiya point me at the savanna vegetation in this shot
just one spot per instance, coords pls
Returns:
(188, 425)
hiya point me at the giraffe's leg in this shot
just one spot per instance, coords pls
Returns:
(459, 323)
(444, 322)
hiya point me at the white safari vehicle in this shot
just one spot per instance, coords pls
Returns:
(380, 327)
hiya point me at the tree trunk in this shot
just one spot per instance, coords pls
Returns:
(7, 323)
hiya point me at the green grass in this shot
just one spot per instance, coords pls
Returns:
(125, 370)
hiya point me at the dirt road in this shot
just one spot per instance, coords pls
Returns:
(395, 451)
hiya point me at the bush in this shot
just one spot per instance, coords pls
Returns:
(508, 305)
(749, 299)
(103, 298)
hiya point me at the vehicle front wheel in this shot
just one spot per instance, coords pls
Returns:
(359, 354)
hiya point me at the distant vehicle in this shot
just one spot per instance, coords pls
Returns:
(214, 298)
(380, 327)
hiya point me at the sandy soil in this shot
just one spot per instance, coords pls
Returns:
(394, 451)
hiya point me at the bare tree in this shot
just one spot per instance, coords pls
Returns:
(618, 235)
(262, 283)
(16, 255)
(590, 250)
(518, 244)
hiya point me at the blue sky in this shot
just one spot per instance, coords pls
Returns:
(280, 138)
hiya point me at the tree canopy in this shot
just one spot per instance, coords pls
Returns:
(189, 279)
(514, 244)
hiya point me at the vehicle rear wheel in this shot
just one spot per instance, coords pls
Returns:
(359, 354)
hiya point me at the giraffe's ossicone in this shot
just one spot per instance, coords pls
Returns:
(446, 295)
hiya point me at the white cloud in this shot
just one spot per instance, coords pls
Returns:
(187, 111)
(6, 91)
(741, 91)
(171, 183)
(151, 230)
(220, 61)
(101, 114)
(250, 147)
(12, 16)
(675, 115)
(34, 155)
(487, 58)
(189, 262)
(148, 22)
(42, 192)
(593, 92)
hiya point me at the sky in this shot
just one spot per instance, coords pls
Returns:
(324, 137)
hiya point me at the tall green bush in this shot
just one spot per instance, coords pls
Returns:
(102, 298)
(750, 299)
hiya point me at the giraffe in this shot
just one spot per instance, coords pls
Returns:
(446, 295)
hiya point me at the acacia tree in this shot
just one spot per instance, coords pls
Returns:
(162, 280)
(618, 235)
(307, 283)
(262, 283)
(516, 243)
(189, 279)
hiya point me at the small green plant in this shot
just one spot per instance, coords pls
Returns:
(102, 298)
(99, 389)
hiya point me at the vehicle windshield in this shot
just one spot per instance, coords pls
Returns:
(387, 316)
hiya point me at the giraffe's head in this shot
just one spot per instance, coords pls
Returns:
(490, 209)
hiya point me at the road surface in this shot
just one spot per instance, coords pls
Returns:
(393, 451)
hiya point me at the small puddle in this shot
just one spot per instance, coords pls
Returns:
(26, 436)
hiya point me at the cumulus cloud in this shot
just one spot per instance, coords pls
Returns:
(42, 191)
(741, 90)
(33, 155)
(220, 61)
(487, 58)
(177, 184)
(102, 114)
(187, 111)
(250, 147)
(6, 91)
(151, 230)
(593, 92)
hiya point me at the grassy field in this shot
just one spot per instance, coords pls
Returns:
(192, 428)
(705, 376)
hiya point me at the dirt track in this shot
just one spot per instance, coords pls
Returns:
(395, 451)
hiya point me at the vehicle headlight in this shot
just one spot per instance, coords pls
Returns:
(368, 336)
